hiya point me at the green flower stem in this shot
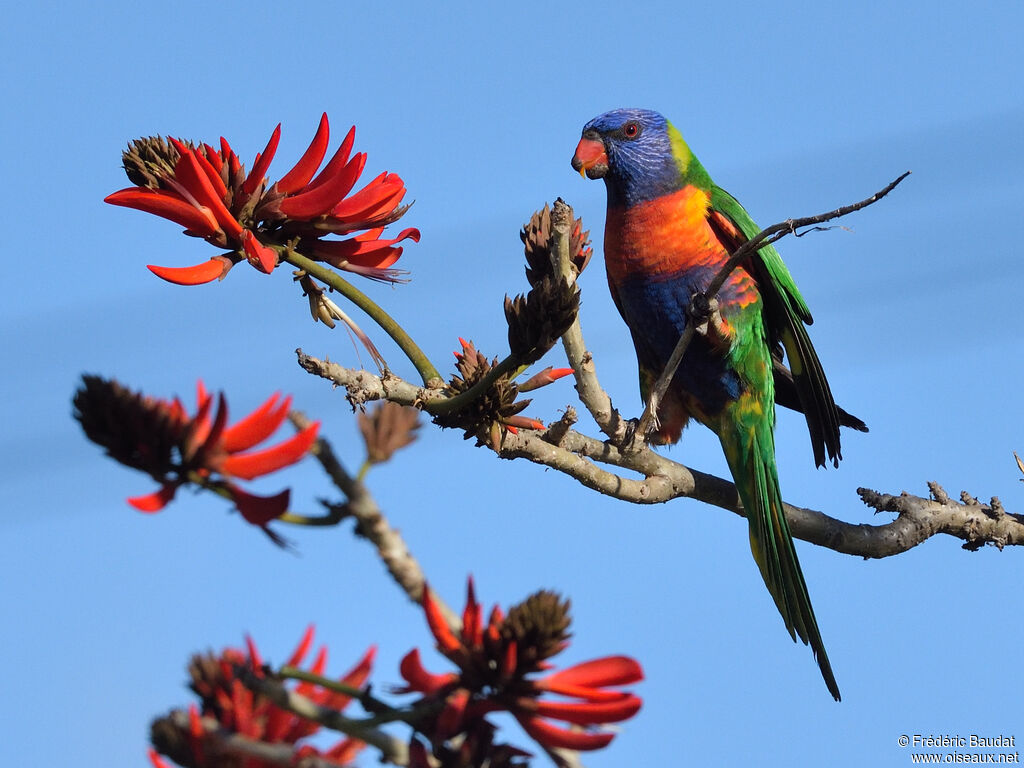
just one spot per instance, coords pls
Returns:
(464, 398)
(220, 489)
(423, 365)
(381, 713)
(321, 521)
(294, 673)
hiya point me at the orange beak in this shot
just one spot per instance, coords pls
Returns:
(590, 158)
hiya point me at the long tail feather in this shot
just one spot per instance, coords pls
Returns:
(749, 446)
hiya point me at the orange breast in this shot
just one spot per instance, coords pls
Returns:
(662, 237)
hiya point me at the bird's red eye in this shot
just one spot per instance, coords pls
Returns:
(631, 130)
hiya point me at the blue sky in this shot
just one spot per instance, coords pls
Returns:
(793, 107)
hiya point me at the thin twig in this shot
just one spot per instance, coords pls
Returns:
(593, 397)
(392, 750)
(579, 456)
(765, 237)
(219, 741)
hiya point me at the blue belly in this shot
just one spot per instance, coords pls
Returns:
(655, 312)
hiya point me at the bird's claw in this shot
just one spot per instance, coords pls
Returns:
(701, 309)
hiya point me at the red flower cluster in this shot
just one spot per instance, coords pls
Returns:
(159, 437)
(236, 709)
(494, 661)
(207, 191)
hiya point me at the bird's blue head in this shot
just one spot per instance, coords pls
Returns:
(638, 153)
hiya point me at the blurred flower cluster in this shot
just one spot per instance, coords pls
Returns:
(160, 438)
(228, 706)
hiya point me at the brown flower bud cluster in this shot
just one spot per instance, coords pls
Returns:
(536, 237)
(537, 320)
(494, 411)
(386, 428)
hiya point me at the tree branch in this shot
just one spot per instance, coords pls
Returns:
(579, 456)
(174, 729)
(592, 395)
(392, 750)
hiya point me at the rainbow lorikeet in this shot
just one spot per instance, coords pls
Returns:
(669, 229)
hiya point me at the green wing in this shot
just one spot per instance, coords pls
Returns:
(786, 315)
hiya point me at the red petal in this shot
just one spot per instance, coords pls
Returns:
(345, 751)
(199, 274)
(257, 426)
(189, 172)
(354, 678)
(155, 501)
(494, 622)
(597, 673)
(358, 250)
(511, 660)
(302, 649)
(419, 679)
(262, 163)
(522, 422)
(254, 653)
(216, 160)
(358, 675)
(261, 256)
(386, 204)
(337, 161)
(212, 173)
(550, 735)
(472, 618)
(200, 426)
(260, 510)
(446, 639)
(548, 376)
(156, 760)
(369, 196)
(167, 205)
(320, 199)
(449, 722)
(591, 713)
(309, 689)
(196, 733)
(250, 465)
(241, 705)
(303, 171)
(210, 443)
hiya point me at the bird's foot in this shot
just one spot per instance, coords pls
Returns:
(701, 310)
(634, 440)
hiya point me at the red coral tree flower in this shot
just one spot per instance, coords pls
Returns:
(225, 700)
(207, 190)
(496, 662)
(159, 437)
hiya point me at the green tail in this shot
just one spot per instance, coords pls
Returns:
(749, 447)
